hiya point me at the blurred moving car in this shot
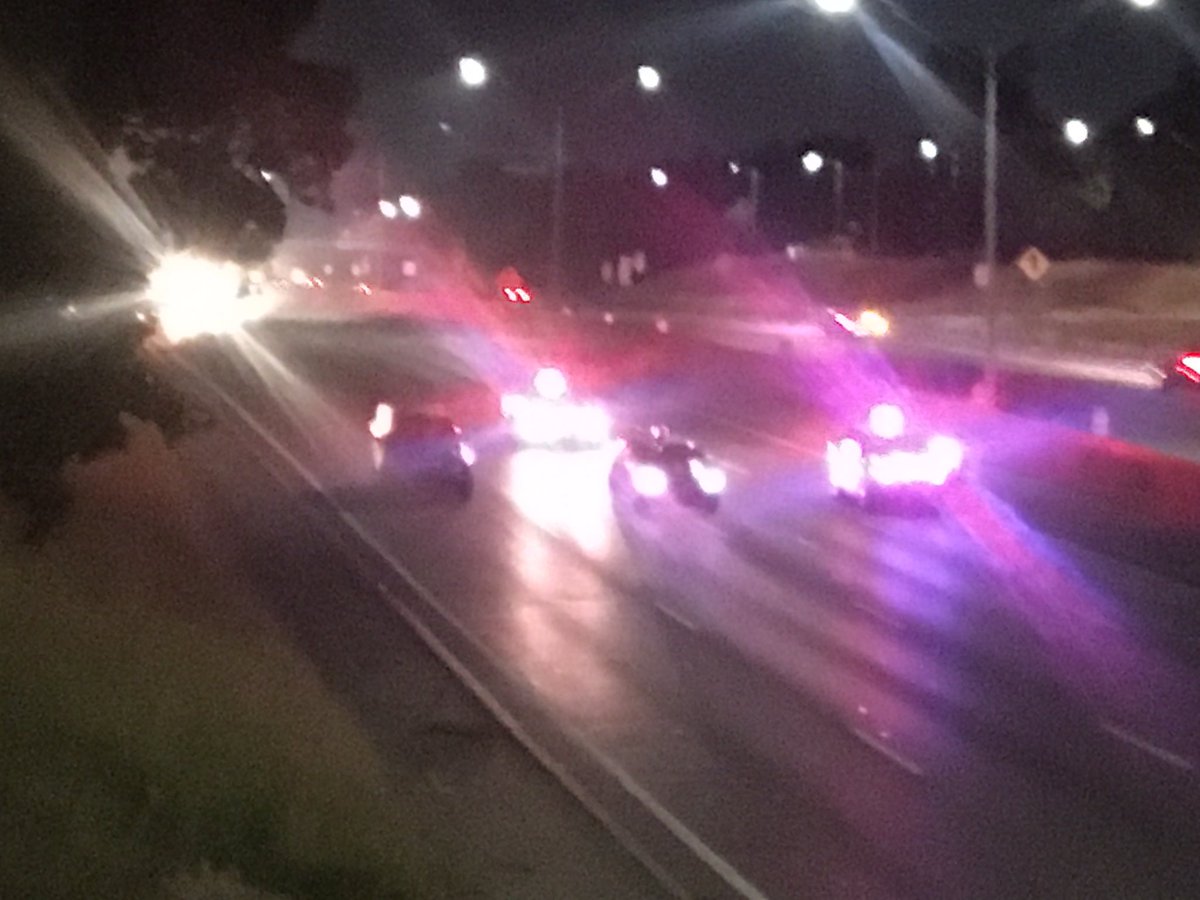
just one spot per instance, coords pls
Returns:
(1183, 371)
(888, 457)
(421, 447)
(653, 467)
(867, 323)
(547, 414)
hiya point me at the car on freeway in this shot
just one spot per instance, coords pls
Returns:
(888, 457)
(421, 448)
(1183, 370)
(866, 323)
(517, 294)
(513, 287)
(653, 467)
(548, 414)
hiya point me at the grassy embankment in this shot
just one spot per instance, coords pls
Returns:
(154, 725)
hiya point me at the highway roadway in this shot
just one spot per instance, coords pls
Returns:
(1118, 398)
(790, 698)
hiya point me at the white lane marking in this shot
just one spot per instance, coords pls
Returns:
(676, 617)
(888, 752)
(1166, 756)
(718, 864)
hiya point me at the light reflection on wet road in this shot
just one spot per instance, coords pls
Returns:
(828, 698)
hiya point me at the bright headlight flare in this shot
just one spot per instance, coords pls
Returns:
(467, 452)
(887, 469)
(844, 462)
(872, 323)
(649, 481)
(941, 458)
(593, 425)
(550, 383)
(709, 478)
(886, 420)
(382, 422)
(1189, 366)
(194, 296)
(537, 422)
(513, 405)
(946, 452)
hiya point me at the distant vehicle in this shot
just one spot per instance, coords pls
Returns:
(417, 448)
(868, 323)
(548, 415)
(1183, 371)
(887, 457)
(654, 467)
(513, 287)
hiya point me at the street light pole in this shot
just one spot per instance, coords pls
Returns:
(558, 202)
(991, 157)
(380, 177)
(875, 179)
(755, 196)
(839, 196)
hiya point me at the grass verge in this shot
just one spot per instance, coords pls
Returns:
(153, 723)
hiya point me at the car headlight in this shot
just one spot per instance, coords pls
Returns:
(710, 479)
(550, 383)
(649, 481)
(537, 422)
(844, 464)
(383, 422)
(886, 469)
(946, 452)
(873, 324)
(467, 452)
(195, 296)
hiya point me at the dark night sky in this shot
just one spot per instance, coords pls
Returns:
(738, 73)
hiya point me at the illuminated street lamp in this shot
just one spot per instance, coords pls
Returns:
(1143, 4)
(836, 7)
(814, 163)
(1076, 132)
(649, 78)
(736, 169)
(472, 72)
(410, 206)
(928, 149)
(1145, 126)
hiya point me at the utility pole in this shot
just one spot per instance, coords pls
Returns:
(991, 153)
(380, 177)
(875, 178)
(557, 210)
(755, 197)
(839, 196)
